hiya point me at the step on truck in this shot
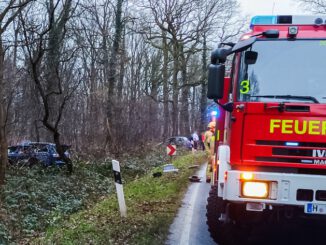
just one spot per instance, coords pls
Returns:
(271, 165)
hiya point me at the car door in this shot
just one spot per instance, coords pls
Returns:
(42, 154)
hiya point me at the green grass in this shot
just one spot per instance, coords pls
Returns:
(151, 206)
(34, 199)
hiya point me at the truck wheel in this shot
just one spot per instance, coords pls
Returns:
(222, 233)
(213, 211)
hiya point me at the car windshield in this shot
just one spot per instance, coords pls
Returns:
(285, 71)
(12, 149)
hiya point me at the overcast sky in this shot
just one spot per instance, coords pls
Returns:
(268, 7)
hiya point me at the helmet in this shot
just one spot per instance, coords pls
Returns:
(211, 125)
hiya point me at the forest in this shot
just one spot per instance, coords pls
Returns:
(107, 76)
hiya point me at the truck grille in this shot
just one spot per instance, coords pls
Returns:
(292, 152)
(300, 153)
(279, 159)
(283, 143)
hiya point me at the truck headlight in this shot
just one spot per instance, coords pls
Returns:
(254, 189)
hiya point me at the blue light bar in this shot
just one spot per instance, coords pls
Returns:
(288, 20)
(291, 143)
(264, 20)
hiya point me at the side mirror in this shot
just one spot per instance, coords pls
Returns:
(215, 86)
(219, 55)
(250, 57)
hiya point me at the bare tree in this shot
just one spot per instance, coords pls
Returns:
(181, 25)
(112, 74)
(49, 65)
(315, 6)
(10, 10)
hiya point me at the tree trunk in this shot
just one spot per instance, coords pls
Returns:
(122, 67)
(61, 152)
(37, 132)
(194, 116)
(203, 99)
(3, 145)
(175, 87)
(184, 112)
(165, 77)
(112, 76)
(3, 136)
(153, 105)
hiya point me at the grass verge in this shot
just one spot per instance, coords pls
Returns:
(152, 204)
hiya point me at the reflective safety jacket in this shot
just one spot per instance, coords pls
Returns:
(209, 142)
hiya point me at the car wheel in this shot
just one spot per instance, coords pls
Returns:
(32, 161)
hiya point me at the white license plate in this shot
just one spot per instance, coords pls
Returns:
(312, 208)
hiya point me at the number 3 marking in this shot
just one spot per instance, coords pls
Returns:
(245, 87)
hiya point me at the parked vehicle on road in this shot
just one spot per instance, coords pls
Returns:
(31, 153)
(271, 166)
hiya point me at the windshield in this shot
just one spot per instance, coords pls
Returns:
(285, 71)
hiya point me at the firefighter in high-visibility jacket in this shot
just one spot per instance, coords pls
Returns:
(209, 143)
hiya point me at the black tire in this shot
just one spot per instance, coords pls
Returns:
(33, 161)
(213, 212)
(222, 233)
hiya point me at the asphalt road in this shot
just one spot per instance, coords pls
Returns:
(189, 226)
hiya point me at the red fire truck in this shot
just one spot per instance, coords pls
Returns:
(272, 161)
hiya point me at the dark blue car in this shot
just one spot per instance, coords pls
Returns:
(31, 153)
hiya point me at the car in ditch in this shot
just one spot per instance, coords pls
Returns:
(32, 153)
(180, 141)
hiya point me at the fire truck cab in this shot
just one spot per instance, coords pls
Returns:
(272, 162)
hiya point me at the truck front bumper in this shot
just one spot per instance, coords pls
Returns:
(284, 189)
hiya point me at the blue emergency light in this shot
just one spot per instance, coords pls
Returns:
(214, 113)
(292, 143)
(264, 20)
(287, 20)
